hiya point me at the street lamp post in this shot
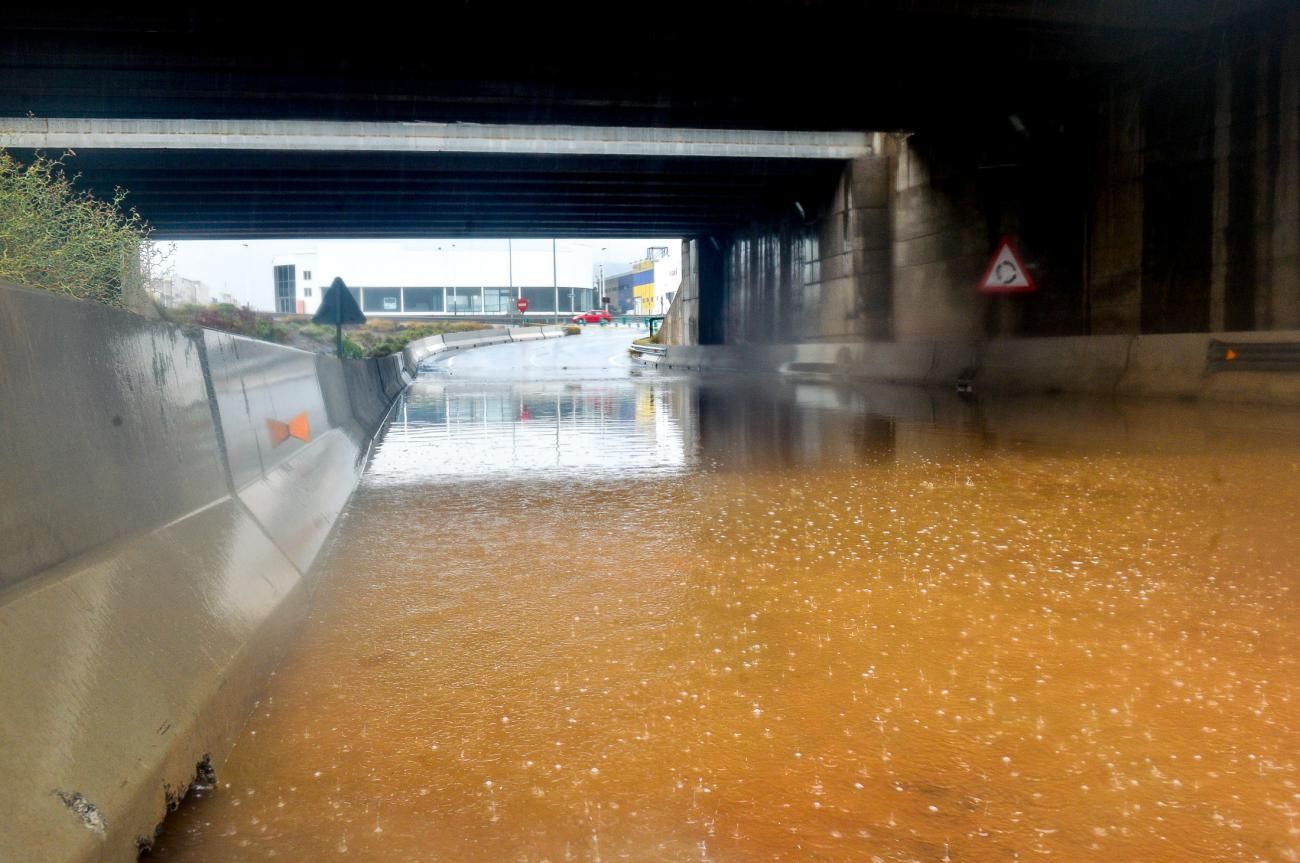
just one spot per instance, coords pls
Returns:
(510, 276)
(442, 277)
(601, 289)
(249, 282)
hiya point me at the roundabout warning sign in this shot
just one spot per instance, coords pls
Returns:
(1006, 273)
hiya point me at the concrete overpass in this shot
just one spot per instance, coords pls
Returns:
(296, 178)
(1143, 155)
(958, 70)
(1146, 157)
(772, 64)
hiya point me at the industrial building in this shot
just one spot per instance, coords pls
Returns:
(462, 277)
(649, 286)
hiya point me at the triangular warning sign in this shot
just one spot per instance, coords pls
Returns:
(1006, 273)
(338, 306)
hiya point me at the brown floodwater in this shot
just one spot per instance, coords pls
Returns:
(659, 620)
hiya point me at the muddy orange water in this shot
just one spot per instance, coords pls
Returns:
(654, 620)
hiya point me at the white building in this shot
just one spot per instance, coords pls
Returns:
(460, 277)
(668, 277)
(171, 291)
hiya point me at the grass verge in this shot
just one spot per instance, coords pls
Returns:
(378, 337)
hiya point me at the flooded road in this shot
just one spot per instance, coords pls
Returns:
(599, 614)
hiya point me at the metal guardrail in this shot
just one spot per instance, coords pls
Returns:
(650, 350)
(814, 368)
(1253, 357)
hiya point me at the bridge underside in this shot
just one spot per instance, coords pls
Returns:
(259, 194)
(1143, 155)
(777, 64)
(772, 64)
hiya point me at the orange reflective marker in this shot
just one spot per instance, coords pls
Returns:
(297, 427)
(279, 431)
(1230, 355)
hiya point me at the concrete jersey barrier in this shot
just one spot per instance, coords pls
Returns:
(420, 350)
(100, 435)
(1172, 365)
(163, 496)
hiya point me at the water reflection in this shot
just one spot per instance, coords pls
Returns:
(748, 421)
(470, 431)
(465, 432)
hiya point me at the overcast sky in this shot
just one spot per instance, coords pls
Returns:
(243, 269)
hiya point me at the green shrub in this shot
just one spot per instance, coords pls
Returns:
(375, 338)
(58, 239)
(380, 337)
(352, 350)
(317, 332)
(241, 321)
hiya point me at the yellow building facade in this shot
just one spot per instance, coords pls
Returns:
(643, 286)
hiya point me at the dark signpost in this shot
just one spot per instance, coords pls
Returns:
(338, 307)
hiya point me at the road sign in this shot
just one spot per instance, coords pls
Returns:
(1006, 273)
(522, 305)
(338, 307)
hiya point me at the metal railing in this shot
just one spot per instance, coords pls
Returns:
(1253, 357)
(650, 350)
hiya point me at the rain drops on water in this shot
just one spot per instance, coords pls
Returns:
(963, 642)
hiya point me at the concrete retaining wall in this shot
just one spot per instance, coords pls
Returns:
(419, 351)
(1149, 365)
(162, 496)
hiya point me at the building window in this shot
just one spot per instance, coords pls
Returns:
(540, 299)
(498, 300)
(576, 299)
(285, 288)
(382, 300)
(306, 292)
(306, 275)
(464, 300)
(422, 299)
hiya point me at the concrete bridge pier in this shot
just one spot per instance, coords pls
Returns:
(1155, 206)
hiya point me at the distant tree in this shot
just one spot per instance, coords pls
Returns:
(59, 239)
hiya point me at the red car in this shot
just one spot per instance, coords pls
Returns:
(595, 316)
